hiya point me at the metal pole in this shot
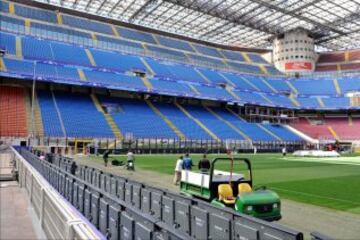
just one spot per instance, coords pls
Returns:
(32, 104)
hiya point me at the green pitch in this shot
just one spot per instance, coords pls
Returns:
(332, 183)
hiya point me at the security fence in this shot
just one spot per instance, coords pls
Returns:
(126, 209)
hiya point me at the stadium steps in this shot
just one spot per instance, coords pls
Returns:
(332, 131)
(338, 67)
(59, 18)
(59, 114)
(235, 114)
(18, 47)
(246, 57)
(27, 25)
(90, 57)
(202, 75)
(321, 102)
(228, 123)
(198, 122)
(294, 90)
(194, 89)
(269, 85)
(249, 83)
(337, 86)
(350, 120)
(11, 8)
(269, 132)
(147, 83)
(94, 38)
(294, 101)
(166, 120)
(114, 128)
(230, 91)
(81, 74)
(147, 66)
(266, 98)
(263, 69)
(227, 80)
(28, 111)
(39, 127)
(115, 32)
(2, 65)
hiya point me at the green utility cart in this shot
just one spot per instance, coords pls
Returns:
(230, 189)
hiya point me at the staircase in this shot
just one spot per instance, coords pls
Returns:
(166, 120)
(59, 114)
(294, 101)
(235, 114)
(39, 129)
(147, 83)
(332, 131)
(197, 122)
(114, 128)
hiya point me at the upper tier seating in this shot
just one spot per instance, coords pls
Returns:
(314, 87)
(91, 33)
(12, 112)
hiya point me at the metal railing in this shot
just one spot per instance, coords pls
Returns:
(56, 217)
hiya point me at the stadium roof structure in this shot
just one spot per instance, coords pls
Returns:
(335, 24)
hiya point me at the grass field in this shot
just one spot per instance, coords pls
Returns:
(321, 182)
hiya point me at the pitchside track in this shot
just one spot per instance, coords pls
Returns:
(328, 182)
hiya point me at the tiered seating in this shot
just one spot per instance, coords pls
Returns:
(80, 117)
(314, 87)
(256, 58)
(50, 117)
(137, 119)
(344, 128)
(331, 57)
(136, 35)
(312, 130)
(187, 126)
(7, 43)
(219, 128)
(12, 112)
(282, 132)
(173, 43)
(208, 51)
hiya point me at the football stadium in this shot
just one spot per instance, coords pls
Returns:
(180, 119)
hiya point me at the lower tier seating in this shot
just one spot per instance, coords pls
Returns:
(12, 112)
(342, 128)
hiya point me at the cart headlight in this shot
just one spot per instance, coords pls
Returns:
(275, 205)
(249, 208)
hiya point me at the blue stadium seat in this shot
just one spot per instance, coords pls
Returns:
(349, 84)
(20, 67)
(49, 115)
(137, 119)
(35, 13)
(36, 49)
(208, 50)
(171, 87)
(336, 102)
(213, 76)
(167, 52)
(314, 87)
(174, 43)
(116, 61)
(136, 35)
(45, 71)
(239, 81)
(87, 24)
(80, 116)
(308, 102)
(7, 43)
(280, 101)
(279, 84)
(245, 68)
(12, 24)
(257, 81)
(282, 132)
(212, 62)
(256, 58)
(118, 44)
(182, 122)
(69, 54)
(214, 92)
(233, 55)
(4, 6)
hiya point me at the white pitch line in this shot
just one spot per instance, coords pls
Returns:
(335, 160)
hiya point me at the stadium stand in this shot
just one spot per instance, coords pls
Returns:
(13, 117)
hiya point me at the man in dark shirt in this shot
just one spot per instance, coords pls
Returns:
(204, 164)
(106, 157)
(73, 168)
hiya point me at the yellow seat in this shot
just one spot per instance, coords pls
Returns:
(225, 193)
(244, 187)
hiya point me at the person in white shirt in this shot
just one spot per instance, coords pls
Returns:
(284, 151)
(255, 150)
(130, 161)
(178, 169)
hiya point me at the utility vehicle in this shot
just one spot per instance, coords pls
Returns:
(229, 189)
